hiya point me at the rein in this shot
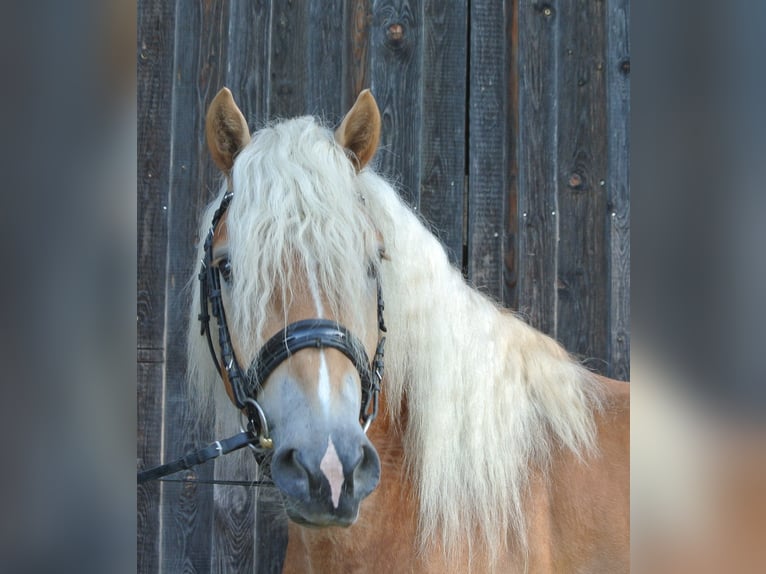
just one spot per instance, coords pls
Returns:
(305, 334)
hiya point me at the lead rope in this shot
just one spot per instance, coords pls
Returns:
(193, 458)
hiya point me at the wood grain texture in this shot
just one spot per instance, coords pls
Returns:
(288, 68)
(487, 144)
(356, 63)
(536, 145)
(155, 29)
(443, 145)
(396, 72)
(233, 525)
(247, 62)
(582, 310)
(149, 432)
(199, 72)
(511, 254)
(325, 61)
(270, 532)
(618, 186)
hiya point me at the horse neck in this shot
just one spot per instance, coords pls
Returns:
(476, 380)
(441, 329)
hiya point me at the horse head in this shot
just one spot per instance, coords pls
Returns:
(295, 257)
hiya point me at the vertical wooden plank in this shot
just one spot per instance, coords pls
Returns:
(396, 62)
(511, 256)
(487, 176)
(155, 28)
(288, 64)
(325, 60)
(581, 212)
(617, 186)
(200, 55)
(233, 523)
(356, 63)
(444, 115)
(248, 52)
(537, 166)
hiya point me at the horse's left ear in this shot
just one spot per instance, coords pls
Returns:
(225, 130)
(359, 132)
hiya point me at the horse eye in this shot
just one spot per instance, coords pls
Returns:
(225, 268)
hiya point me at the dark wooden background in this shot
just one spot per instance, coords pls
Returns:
(506, 124)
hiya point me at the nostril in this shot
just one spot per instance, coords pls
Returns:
(289, 473)
(289, 461)
(354, 464)
(366, 471)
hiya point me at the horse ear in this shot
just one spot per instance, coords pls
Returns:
(225, 130)
(359, 132)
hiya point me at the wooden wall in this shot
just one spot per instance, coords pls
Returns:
(506, 124)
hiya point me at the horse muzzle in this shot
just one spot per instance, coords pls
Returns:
(323, 482)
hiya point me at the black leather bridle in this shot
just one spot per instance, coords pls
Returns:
(306, 334)
(311, 333)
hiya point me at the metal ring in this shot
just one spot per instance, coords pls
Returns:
(263, 436)
(371, 416)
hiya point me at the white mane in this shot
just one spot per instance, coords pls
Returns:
(488, 397)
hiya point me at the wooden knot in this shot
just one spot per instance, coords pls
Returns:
(395, 33)
(575, 181)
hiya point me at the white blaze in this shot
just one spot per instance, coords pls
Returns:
(323, 385)
(330, 465)
(323, 382)
(332, 468)
(314, 286)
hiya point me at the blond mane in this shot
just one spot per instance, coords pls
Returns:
(487, 396)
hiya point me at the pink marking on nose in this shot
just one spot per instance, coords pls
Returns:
(332, 468)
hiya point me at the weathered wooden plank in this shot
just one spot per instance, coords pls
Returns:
(537, 165)
(155, 29)
(248, 53)
(487, 176)
(149, 431)
(356, 63)
(511, 255)
(233, 527)
(582, 310)
(288, 66)
(396, 66)
(201, 29)
(443, 148)
(325, 60)
(618, 186)
(271, 532)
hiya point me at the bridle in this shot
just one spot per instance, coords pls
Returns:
(305, 334)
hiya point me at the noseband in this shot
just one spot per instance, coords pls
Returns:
(306, 334)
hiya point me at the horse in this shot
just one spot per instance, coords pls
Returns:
(469, 442)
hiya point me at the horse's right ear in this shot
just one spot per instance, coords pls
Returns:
(225, 130)
(359, 132)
